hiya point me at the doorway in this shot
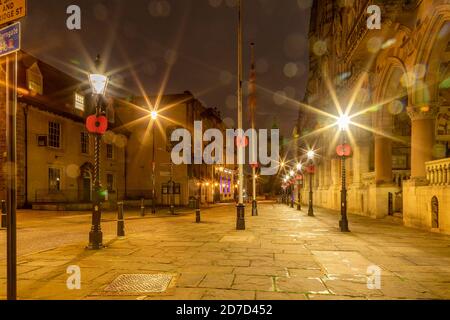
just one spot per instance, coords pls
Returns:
(86, 195)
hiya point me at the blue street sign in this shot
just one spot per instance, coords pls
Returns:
(10, 39)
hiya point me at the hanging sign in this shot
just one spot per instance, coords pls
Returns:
(97, 125)
(344, 150)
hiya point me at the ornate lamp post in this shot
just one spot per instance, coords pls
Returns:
(311, 170)
(154, 117)
(97, 125)
(343, 151)
(299, 184)
(240, 222)
(292, 177)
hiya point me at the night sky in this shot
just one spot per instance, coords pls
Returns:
(193, 41)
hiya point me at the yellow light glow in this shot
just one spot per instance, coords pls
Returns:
(343, 122)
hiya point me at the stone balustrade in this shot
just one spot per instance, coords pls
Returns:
(438, 172)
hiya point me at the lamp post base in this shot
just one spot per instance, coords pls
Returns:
(343, 224)
(254, 208)
(95, 240)
(240, 223)
(311, 212)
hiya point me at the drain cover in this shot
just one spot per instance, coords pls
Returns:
(140, 283)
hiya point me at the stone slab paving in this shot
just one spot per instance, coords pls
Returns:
(282, 255)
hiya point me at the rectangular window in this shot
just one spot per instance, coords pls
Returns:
(79, 102)
(110, 182)
(85, 143)
(109, 151)
(54, 134)
(54, 179)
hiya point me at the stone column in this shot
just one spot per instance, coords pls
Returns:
(422, 138)
(383, 160)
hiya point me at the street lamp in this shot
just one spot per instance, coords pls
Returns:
(99, 83)
(311, 155)
(299, 195)
(154, 116)
(240, 222)
(344, 123)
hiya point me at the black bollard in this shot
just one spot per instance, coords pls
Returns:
(197, 211)
(142, 208)
(240, 223)
(120, 221)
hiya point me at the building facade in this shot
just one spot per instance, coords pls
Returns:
(213, 182)
(394, 85)
(54, 151)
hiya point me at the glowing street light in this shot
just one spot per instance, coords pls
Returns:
(98, 83)
(154, 115)
(311, 154)
(343, 122)
(299, 181)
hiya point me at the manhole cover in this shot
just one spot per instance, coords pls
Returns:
(140, 283)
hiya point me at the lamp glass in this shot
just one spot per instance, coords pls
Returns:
(344, 122)
(311, 155)
(98, 83)
(154, 115)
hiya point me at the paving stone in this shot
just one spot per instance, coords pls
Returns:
(233, 295)
(220, 281)
(260, 283)
(301, 285)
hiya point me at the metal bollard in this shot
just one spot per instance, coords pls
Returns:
(120, 220)
(197, 211)
(3, 215)
(142, 208)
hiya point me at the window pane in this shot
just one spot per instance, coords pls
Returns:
(54, 134)
(54, 179)
(79, 102)
(84, 143)
(109, 151)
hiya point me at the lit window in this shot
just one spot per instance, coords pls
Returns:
(35, 79)
(54, 134)
(79, 102)
(85, 143)
(109, 151)
(110, 182)
(54, 179)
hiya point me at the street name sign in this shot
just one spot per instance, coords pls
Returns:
(10, 39)
(11, 10)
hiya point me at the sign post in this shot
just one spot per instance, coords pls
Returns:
(10, 43)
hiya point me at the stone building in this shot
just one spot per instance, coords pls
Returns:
(55, 153)
(215, 182)
(394, 83)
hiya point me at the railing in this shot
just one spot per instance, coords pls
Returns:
(438, 172)
(401, 175)
(398, 176)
